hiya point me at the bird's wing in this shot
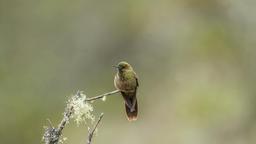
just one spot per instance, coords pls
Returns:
(137, 81)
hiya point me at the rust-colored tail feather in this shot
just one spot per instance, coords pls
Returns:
(131, 105)
(132, 115)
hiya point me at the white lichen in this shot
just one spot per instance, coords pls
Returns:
(104, 98)
(63, 140)
(82, 110)
(78, 109)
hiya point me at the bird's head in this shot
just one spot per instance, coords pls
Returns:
(123, 66)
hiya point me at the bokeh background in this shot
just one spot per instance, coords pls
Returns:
(195, 60)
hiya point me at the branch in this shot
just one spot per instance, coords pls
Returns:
(90, 135)
(103, 95)
(52, 135)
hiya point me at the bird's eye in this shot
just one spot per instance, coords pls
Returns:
(124, 66)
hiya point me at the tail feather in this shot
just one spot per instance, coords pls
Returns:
(131, 105)
(132, 114)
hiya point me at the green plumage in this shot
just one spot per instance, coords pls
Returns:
(127, 82)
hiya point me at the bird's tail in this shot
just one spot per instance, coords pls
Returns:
(132, 113)
(131, 105)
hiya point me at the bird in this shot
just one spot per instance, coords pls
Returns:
(126, 81)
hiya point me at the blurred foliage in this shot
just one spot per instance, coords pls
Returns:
(195, 60)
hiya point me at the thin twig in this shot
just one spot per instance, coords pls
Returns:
(65, 119)
(52, 135)
(90, 135)
(50, 123)
(103, 95)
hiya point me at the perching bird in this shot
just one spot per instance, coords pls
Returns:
(127, 82)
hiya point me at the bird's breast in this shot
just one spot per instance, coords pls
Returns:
(125, 85)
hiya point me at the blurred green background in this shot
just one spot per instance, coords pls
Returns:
(195, 60)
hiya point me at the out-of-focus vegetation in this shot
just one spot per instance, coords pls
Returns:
(195, 60)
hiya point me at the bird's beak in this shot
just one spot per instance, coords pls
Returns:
(115, 66)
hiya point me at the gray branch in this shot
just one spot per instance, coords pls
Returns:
(103, 95)
(90, 135)
(52, 135)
